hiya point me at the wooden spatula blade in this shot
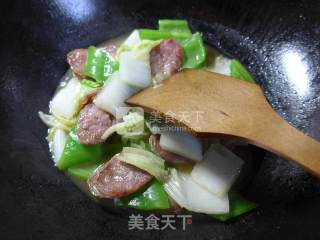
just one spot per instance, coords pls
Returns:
(213, 104)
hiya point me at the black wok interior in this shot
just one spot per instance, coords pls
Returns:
(277, 40)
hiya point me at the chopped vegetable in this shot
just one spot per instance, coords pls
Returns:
(134, 71)
(132, 126)
(144, 160)
(176, 29)
(240, 72)
(87, 87)
(99, 65)
(114, 94)
(89, 84)
(133, 39)
(141, 51)
(83, 172)
(221, 65)
(65, 104)
(175, 26)
(194, 52)
(183, 144)
(141, 143)
(238, 206)
(58, 143)
(75, 153)
(152, 34)
(218, 170)
(56, 122)
(188, 194)
(152, 197)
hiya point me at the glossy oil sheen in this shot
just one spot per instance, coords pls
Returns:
(277, 40)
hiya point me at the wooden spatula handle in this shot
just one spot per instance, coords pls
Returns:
(276, 135)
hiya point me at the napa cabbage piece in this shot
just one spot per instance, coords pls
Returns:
(193, 197)
(152, 197)
(182, 143)
(133, 39)
(56, 122)
(144, 160)
(140, 51)
(65, 103)
(57, 143)
(220, 65)
(218, 170)
(132, 126)
(114, 94)
(134, 71)
(238, 207)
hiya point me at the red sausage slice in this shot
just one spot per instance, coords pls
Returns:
(92, 123)
(77, 60)
(116, 179)
(166, 59)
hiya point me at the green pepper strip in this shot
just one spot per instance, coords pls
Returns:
(151, 198)
(240, 72)
(83, 172)
(194, 52)
(151, 34)
(175, 26)
(99, 65)
(238, 206)
(75, 153)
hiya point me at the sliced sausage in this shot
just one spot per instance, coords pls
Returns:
(116, 179)
(77, 58)
(173, 158)
(165, 59)
(92, 123)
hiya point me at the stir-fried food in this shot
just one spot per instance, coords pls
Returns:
(128, 156)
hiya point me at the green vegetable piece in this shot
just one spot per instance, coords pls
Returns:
(151, 34)
(151, 198)
(99, 65)
(176, 29)
(240, 72)
(175, 26)
(194, 52)
(75, 153)
(87, 87)
(89, 84)
(83, 172)
(238, 206)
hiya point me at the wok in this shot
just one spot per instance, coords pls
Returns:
(277, 40)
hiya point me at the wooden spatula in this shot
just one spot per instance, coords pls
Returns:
(227, 107)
